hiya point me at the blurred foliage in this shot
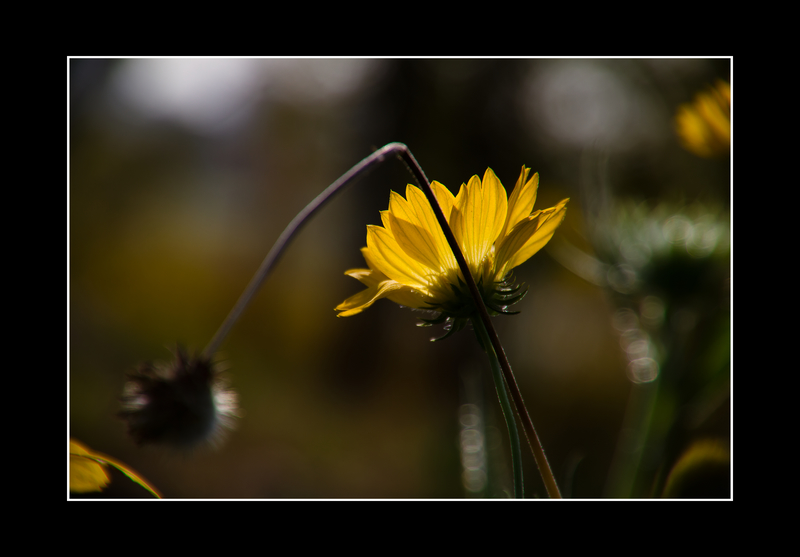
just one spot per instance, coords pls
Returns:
(667, 271)
(184, 172)
(702, 472)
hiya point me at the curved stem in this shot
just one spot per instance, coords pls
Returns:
(283, 240)
(505, 405)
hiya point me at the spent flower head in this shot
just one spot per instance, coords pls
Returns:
(180, 404)
(411, 263)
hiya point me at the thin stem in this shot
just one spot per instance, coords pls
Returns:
(530, 432)
(286, 236)
(505, 405)
(508, 375)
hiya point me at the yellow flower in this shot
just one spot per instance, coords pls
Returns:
(85, 473)
(704, 126)
(411, 263)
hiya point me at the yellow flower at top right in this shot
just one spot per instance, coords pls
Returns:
(704, 125)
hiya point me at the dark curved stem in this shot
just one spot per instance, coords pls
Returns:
(283, 240)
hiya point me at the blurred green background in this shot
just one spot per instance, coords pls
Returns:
(184, 172)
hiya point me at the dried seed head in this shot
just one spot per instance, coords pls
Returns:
(180, 404)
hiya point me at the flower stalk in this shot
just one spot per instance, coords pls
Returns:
(483, 315)
(505, 405)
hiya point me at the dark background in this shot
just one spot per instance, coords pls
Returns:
(184, 172)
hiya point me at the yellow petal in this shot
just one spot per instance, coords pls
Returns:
(385, 217)
(715, 115)
(406, 296)
(478, 218)
(413, 224)
(417, 242)
(357, 303)
(520, 204)
(458, 220)
(427, 219)
(85, 474)
(548, 221)
(397, 292)
(367, 277)
(459, 200)
(523, 177)
(704, 125)
(398, 206)
(445, 198)
(495, 200)
(392, 260)
(368, 257)
(509, 246)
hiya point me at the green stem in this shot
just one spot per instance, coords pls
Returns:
(530, 432)
(505, 404)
